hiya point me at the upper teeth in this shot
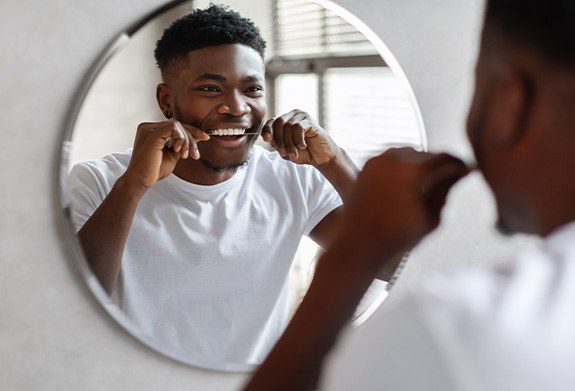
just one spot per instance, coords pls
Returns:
(226, 132)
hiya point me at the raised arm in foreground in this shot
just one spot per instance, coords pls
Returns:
(396, 202)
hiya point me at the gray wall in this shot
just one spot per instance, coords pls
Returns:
(53, 334)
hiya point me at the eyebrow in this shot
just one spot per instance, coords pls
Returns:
(220, 78)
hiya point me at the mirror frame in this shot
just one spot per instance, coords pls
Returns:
(71, 244)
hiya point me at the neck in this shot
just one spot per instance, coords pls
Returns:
(202, 173)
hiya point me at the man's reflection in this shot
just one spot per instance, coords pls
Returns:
(193, 230)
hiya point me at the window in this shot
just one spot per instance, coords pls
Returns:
(325, 66)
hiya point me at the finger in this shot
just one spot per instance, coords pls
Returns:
(193, 139)
(195, 132)
(267, 130)
(194, 151)
(278, 133)
(153, 133)
(291, 150)
(442, 167)
(437, 185)
(298, 136)
(181, 140)
(173, 137)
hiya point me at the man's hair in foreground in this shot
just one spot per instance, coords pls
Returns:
(202, 28)
(546, 26)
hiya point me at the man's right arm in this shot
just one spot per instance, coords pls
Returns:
(104, 234)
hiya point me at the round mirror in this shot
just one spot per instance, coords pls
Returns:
(320, 59)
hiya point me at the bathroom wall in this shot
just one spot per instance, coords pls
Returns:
(53, 334)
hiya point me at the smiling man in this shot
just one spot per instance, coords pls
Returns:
(194, 229)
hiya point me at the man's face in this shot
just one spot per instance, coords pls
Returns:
(221, 87)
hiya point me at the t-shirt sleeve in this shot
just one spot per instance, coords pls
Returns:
(322, 198)
(86, 193)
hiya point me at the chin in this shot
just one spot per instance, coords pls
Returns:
(226, 163)
(225, 158)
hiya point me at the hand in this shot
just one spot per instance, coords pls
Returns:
(397, 200)
(297, 137)
(158, 147)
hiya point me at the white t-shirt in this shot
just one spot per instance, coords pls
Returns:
(205, 268)
(489, 330)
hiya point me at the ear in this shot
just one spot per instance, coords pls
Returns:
(165, 100)
(513, 98)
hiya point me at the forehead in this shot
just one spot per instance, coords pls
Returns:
(228, 60)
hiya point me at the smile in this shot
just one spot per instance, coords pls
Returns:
(227, 132)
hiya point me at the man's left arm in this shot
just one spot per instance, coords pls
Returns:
(341, 172)
(299, 138)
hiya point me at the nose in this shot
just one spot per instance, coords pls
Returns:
(234, 104)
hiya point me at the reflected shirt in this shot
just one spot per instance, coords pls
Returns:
(205, 268)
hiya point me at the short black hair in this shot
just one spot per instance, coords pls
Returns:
(201, 28)
(546, 26)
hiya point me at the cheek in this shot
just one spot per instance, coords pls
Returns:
(192, 112)
(259, 108)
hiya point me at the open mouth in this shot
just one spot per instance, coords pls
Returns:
(229, 132)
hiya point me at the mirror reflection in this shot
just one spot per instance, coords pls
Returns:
(209, 163)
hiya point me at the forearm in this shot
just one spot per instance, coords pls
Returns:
(341, 172)
(103, 236)
(385, 217)
(336, 290)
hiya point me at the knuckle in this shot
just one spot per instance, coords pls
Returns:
(142, 127)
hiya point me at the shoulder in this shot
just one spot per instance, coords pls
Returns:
(108, 168)
(468, 323)
(419, 329)
(113, 161)
(261, 155)
(271, 163)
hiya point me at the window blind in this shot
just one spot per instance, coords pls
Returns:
(303, 28)
(368, 111)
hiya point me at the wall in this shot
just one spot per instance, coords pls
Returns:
(53, 333)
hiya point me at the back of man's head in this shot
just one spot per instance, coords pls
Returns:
(546, 26)
(201, 28)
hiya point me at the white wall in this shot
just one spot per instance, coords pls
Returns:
(53, 334)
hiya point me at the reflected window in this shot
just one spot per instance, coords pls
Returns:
(296, 91)
(325, 66)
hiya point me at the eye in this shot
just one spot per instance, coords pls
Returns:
(254, 89)
(209, 89)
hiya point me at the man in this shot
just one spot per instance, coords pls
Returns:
(505, 329)
(194, 230)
